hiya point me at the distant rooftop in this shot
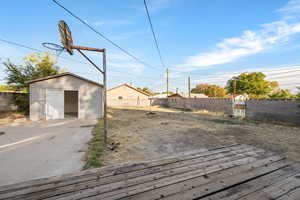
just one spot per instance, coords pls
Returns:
(195, 95)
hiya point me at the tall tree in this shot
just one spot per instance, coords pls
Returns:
(253, 84)
(146, 90)
(6, 88)
(210, 90)
(282, 94)
(298, 94)
(35, 66)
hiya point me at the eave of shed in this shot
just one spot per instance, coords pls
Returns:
(61, 75)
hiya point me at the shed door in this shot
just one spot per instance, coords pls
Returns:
(54, 104)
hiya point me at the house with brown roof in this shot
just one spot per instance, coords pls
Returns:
(175, 95)
(126, 95)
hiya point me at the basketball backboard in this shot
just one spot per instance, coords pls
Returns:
(65, 36)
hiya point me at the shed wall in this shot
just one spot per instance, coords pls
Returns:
(129, 97)
(89, 96)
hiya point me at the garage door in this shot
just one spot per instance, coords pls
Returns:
(54, 104)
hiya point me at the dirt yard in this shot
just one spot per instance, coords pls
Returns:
(12, 118)
(144, 136)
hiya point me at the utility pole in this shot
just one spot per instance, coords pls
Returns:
(167, 82)
(189, 86)
(176, 90)
(234, 88)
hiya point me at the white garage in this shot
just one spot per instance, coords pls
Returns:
(63, 96)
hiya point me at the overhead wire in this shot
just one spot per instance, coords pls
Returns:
(102, 35)
(153, 34)
(35, 49)
(65, 58)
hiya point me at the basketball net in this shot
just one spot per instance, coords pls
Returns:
(54, 50)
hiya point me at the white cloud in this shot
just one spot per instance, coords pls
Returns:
(287, 77)
(112, 22)
(129, 66)
(123, 62)
(249, 43)
(153, 5)
(291, 10)
(158, 4)
(116, 62)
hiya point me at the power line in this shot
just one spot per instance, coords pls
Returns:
(65, 58)
(263, 71)
(153, 33)
(102, 35)
(34, 49)
(273, 76)
(293, 84)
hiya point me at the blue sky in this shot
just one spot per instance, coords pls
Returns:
(209, 40)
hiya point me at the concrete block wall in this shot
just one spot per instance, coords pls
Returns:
(7, 103)
(275, 110)
(128, 102)
(159, 102)
(210, 104)
(265, 109)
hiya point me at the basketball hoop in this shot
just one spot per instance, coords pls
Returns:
(65, 36)
(57, 49)
(67, 42)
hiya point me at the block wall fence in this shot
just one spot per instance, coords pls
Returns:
(277, 110)
(287, 110)
(7, 103)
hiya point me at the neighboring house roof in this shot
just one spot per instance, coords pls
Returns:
(63, 74)
(159, 96)
(175, 95)
(131, 87)
(241, 97)
(195, 95)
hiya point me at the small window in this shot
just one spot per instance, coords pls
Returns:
(120, 97)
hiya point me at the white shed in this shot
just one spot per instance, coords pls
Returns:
(65, 95)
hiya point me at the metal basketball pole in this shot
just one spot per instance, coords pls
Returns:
(103, 72)
(105, 97)
(67, 41)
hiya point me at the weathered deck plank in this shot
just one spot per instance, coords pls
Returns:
(232, 172)
(120, 171)
(142, 176)
(116, 169)
(256, 185)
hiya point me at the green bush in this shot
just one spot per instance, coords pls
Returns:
(22, 102)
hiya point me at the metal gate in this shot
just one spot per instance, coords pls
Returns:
(239, 108)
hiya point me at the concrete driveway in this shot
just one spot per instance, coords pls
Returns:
(42, 149)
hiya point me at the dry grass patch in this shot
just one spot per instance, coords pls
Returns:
(96, 147)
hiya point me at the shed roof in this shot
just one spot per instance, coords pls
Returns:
(64, 74)
(131, 87)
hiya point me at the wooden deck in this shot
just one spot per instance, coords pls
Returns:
(227, 173)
